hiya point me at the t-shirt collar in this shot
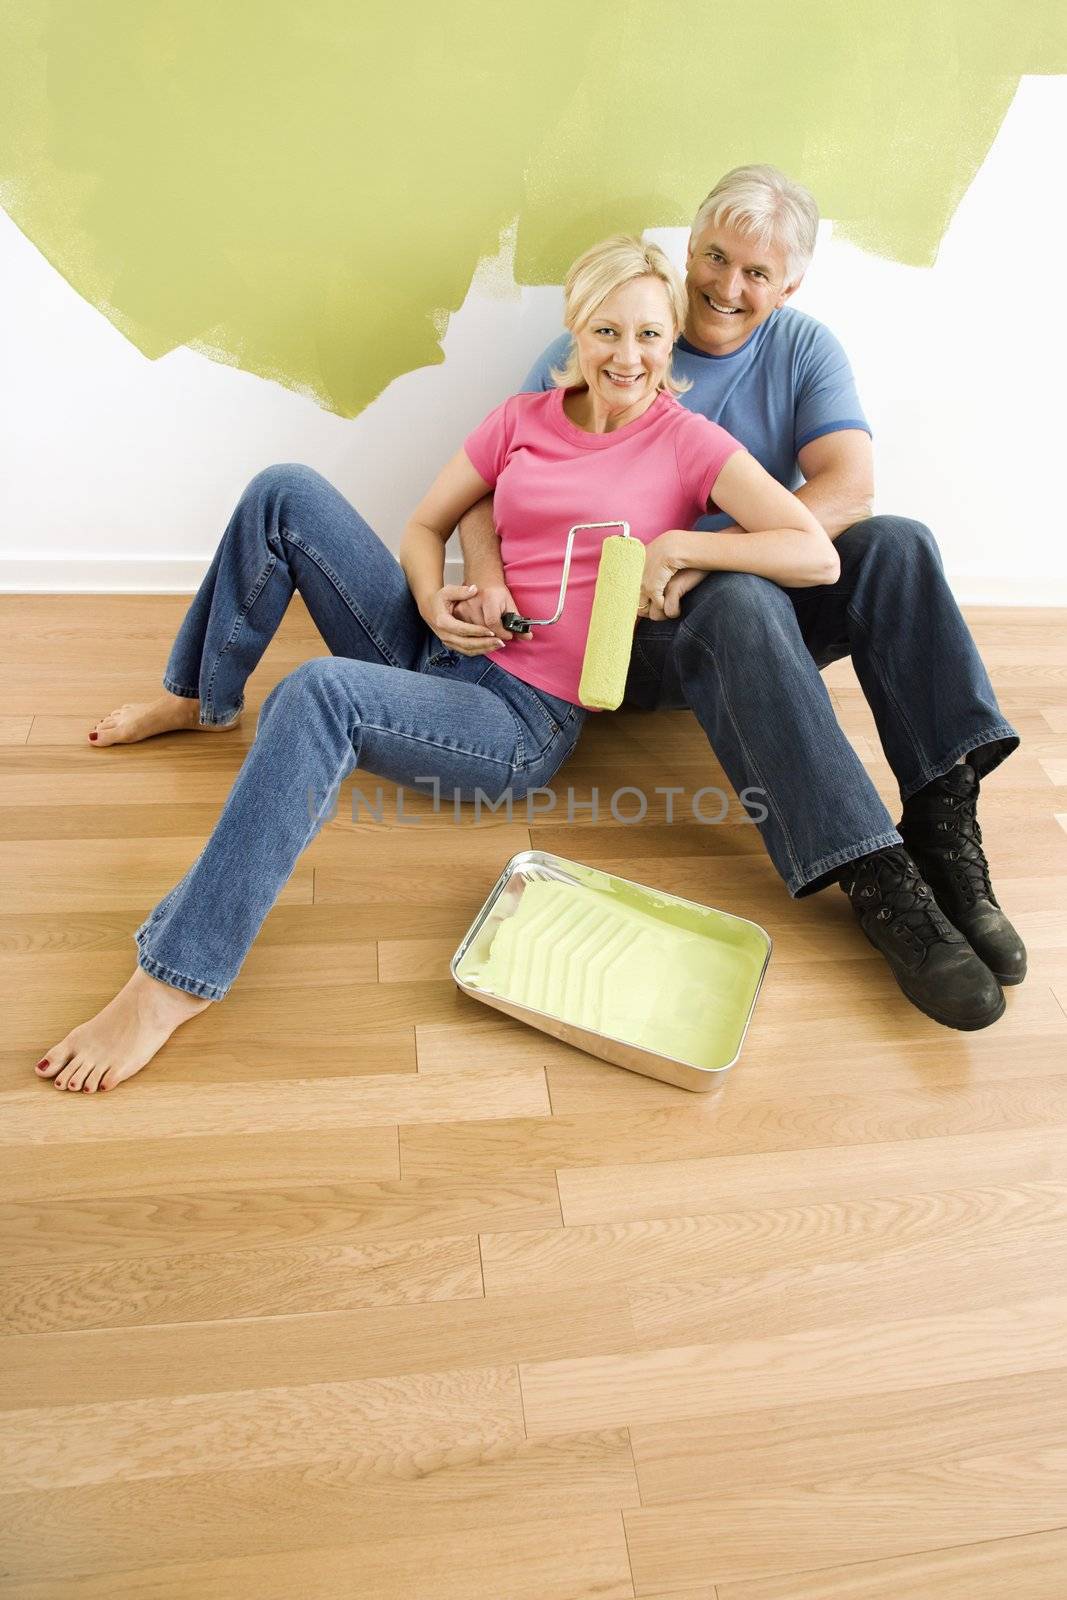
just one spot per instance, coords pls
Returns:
(601, 441)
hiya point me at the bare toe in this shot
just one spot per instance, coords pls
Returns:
(63, 1077)
(92, 1082)
(54, 1061)
(79, 1075)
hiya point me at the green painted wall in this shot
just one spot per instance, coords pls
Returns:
(304, 189)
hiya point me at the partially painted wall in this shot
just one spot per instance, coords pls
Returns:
(306, 192)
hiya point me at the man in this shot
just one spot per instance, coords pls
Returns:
(745, 653)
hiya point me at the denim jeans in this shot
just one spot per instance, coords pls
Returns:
(745, 657)
(390, 698)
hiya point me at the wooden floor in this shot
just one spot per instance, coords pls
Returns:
(361, 1289)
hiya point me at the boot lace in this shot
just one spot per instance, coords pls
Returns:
(907, 902)
(967, 856)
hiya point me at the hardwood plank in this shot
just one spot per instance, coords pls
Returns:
(374, 1498)
(266, 1203)
(799, 1177)
(950, 1501)
(566, 1558)
(340, 1009)
(1029, 1567)
(62, 876)
(802, 1445)
(40, 1115)
(230, 1284)
(578, 1083)
(734, 1263)
(257, 1058)
(732, 1124)
(264, 968)
(702, 1379)
(62, 1446)
(108, 1365)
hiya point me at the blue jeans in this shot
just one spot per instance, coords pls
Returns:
(390, 698)
(745, 656)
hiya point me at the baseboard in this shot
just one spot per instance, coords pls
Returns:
(134, 576)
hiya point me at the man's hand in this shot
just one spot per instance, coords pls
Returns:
(684, 579)
(486, 608)
(441, 613)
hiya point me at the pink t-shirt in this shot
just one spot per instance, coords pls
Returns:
(655, 473)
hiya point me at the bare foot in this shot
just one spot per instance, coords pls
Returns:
(121, 1039)
(129, 723)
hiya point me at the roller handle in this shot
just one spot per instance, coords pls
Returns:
(514, 623)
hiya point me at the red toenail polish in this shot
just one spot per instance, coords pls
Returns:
(43, 1063)
(92, 736)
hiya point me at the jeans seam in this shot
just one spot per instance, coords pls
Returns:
(879, 668)
(334, 578)
(741, 741)
(459, 750)
(261, 583)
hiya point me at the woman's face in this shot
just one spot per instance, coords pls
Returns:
(624, 349)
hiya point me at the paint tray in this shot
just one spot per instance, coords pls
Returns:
(654, 983)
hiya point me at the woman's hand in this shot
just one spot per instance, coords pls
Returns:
(487, 607)
(466, 638)
(663, 558)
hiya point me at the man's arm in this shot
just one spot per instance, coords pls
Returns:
(480, 544)
(839, 473)
(838, 491)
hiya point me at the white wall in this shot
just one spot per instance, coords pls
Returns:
(120, 473)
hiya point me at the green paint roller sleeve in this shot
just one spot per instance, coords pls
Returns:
(611, 624)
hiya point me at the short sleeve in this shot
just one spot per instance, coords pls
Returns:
(702, 449)
(539, 376)
(487, 447)
(826, 401)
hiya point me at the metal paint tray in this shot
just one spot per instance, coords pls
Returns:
(654, 983)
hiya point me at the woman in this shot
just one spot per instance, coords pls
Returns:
(408, 692)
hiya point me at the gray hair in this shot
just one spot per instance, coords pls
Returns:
(762, 201)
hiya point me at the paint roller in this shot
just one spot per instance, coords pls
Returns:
(609, 641)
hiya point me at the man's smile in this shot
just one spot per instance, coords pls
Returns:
(724, 311)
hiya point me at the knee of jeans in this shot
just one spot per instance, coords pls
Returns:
(282, 478)
(312, 682)
(897, 539)
(733, 603)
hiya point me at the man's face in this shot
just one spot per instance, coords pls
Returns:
(733, 285)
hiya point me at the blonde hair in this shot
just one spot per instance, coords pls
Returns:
(760, 200)
(596, 274)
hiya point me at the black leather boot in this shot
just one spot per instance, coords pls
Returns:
(930, 959)
(944, 838)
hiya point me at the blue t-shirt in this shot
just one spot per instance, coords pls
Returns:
(789, 383)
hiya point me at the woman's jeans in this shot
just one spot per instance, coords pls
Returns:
(390, 698)
(745, 656)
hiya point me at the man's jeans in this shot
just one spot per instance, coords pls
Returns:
(390, 698)
(745, 655)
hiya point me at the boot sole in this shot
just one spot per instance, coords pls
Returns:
(970, 1026)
